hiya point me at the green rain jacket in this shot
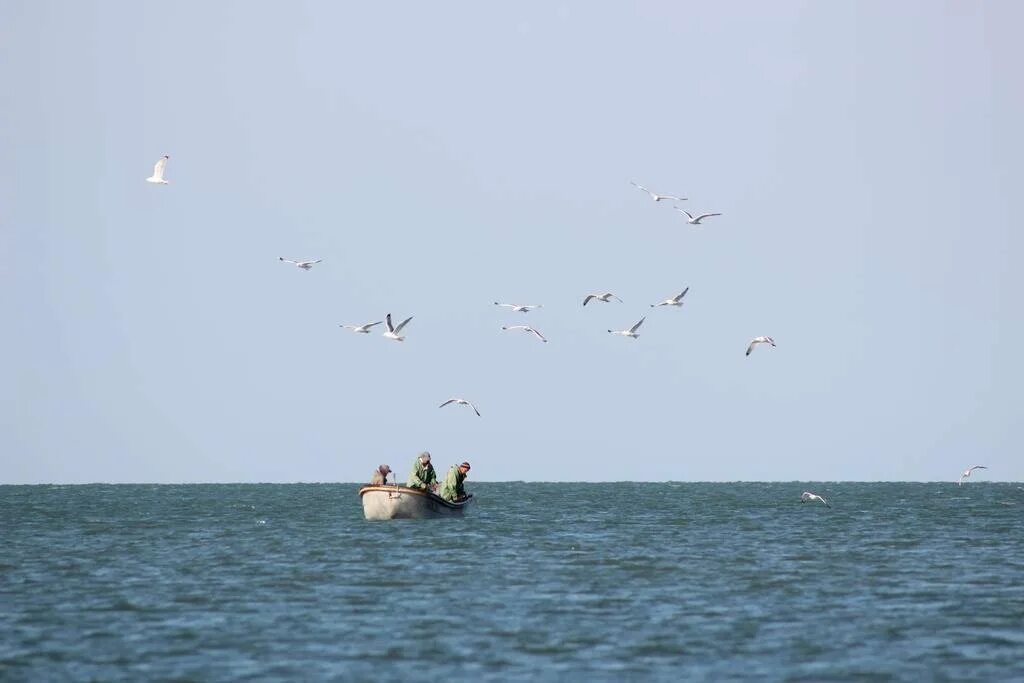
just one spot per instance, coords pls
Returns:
(422, 476)
(453, 487)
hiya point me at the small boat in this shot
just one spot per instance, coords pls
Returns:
(401, 502)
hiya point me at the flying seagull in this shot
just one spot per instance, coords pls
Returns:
(966, 473)
(606, 297)
(759, 340)
(393, 331)
(695, 221)
(363, 329)
(525, 328)
(808, 497)
(631, 332)
(158, 171)
(677, 300)
(519, 308)
(461, 402)
(658, 197)
(305, 265)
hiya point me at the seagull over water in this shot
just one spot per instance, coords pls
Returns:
(461, 402)
(305, 265)
(393, 332)
(525, 328)
(808, 497)
(519, 308)
(966, 473)
(677, 300)
(759, 340)
(695, 221)
(658, 197)
(363, 329)
(606, 297)
(631, 332)
(158, 171)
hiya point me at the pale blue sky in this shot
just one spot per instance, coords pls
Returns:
(441, 156)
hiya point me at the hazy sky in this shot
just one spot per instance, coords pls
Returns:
(442, 156)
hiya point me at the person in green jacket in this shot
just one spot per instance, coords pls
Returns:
(453, 488)
(422, 475)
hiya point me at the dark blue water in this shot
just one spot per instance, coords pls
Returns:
(538, 582)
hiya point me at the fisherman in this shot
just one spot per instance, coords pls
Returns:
(454, 488)
(380, 476)
(422, 475)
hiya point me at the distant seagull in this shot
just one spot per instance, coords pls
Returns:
(461, 402)
(305, 265)
(677, 300)
(759, 340)
(695, 221)
(606, 297)
(519, 308)
(158, 172)
(362, 329)
(966, 473)
(525, 328)
(393, 331)
(808, 497)
(658, 197)
(631, 332)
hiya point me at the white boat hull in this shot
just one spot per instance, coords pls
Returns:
(400, 502)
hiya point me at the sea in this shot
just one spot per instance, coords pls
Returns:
(537, 582)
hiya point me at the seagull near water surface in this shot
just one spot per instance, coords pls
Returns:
(631, 332)
(966, 473)
(606, 297)
(393, 332)
(655, 196)
(304, 265)
(677, 300)
(362, 329)
(519, 308)
(525, 328)
(808, 497)
(158, 171)
(461, 402)
(759, 340)
(695, 220)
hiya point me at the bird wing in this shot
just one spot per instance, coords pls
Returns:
(403, 324)
(158, 168)
(451, 400)
(638, 324)
(369, 325)
(587, 299)
(707, 215)
(505, 305)
(979, 467)
(641, 187)
(614, 297)
(539, 335)
(681, 294)
(751, 347)
(672, 196)
(391, 328)
(471, 405)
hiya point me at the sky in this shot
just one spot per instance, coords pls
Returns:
(443, 156)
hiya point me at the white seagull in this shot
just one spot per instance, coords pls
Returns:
(695, 221)
(393, 331)
(362, 329)
(759, 340)
(808, 497)
(606, 297)
(461, 402)
(519, 308)
(631, 332)
(677, 300)
(158, 172)
(658, 197)
(525, 328)
(966, 473)
(305, 265)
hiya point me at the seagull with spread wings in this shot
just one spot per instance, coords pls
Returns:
(606, 297)
(677, 300)
(695, 220)
(393, 332)
(525, 328)
(158, 171)
(808, 497)
(461, 402)
(519, 308)
(658, 197)
(966, 473)
(304, 265)
(631, 332)
(362, 329)
(759, 340)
